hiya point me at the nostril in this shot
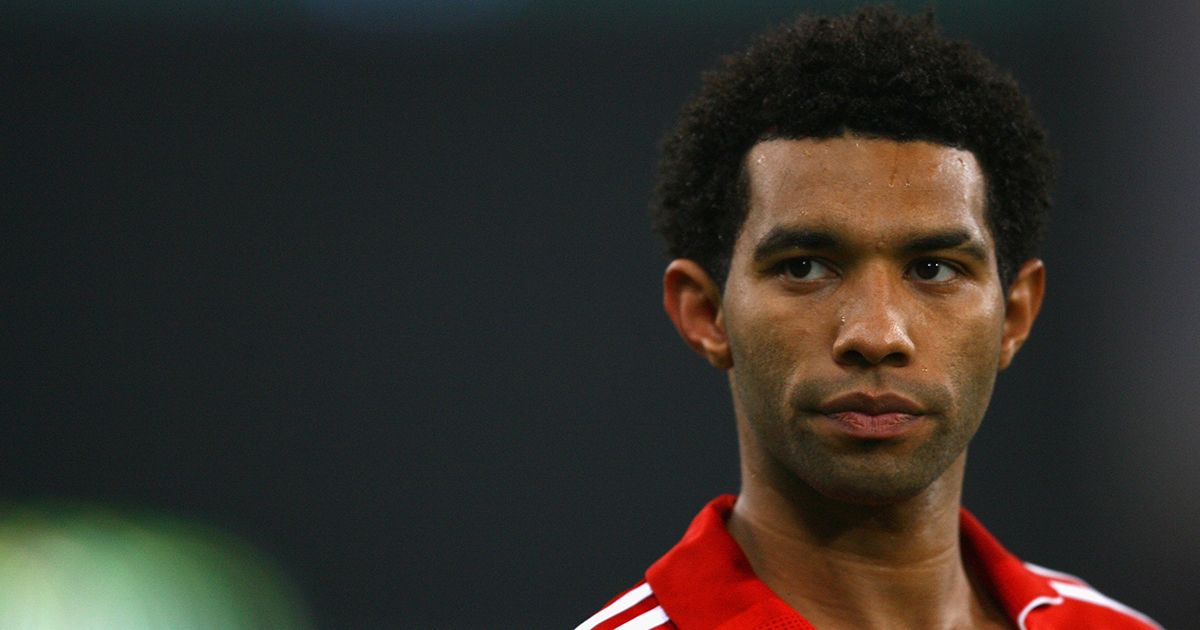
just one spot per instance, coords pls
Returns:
(857, 358)
(895, 359)
(854, 357)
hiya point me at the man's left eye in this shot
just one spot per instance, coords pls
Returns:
(934, 271)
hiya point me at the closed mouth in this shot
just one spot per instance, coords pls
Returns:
(862, 403)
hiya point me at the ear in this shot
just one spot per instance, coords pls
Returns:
(693, 302)
(1024, 302)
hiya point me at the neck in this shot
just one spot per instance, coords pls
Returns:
(846, 565)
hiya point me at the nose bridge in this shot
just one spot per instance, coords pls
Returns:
(873, 327)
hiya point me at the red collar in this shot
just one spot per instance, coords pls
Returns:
(705, 581)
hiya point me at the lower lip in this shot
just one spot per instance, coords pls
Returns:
(873, 426)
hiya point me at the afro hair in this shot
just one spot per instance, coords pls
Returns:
(875, 73)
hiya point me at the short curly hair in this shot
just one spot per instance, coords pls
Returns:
(875, 73)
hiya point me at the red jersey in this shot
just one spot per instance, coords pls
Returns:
(705, 583)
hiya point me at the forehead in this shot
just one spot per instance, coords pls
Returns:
(865, 187)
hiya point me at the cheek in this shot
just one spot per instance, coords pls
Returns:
(771, 348)
(974, 359)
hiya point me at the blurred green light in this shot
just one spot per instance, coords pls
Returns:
(87, 568)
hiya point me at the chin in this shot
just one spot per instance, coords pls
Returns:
(875, 487)
(874, 495)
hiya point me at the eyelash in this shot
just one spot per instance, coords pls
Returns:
(783, 268)
(946, 264)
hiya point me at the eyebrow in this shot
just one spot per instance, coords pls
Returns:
(959, 240)
(783, 239)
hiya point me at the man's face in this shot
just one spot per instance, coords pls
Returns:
(864, 315)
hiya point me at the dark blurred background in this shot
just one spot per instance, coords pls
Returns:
(371, 285)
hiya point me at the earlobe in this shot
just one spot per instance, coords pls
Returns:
(1024, 301)
(693, 302)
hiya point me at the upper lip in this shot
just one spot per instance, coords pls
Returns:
(871, 404)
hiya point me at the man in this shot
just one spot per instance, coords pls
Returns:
(853, 207)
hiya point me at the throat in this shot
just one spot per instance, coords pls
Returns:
(864, 567)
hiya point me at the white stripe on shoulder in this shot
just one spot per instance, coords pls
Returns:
(1038, 601)
(1051, 573)
(652, 618)
(618, 606)
(1092, 596)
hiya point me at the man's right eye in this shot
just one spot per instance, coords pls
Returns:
(805, 269)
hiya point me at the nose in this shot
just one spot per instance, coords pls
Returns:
(873, 327)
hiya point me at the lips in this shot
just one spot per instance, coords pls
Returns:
(872, 416)
(860, 402)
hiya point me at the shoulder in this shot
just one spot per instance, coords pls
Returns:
(635, 609)
(1073, 603)
(1038, 598)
